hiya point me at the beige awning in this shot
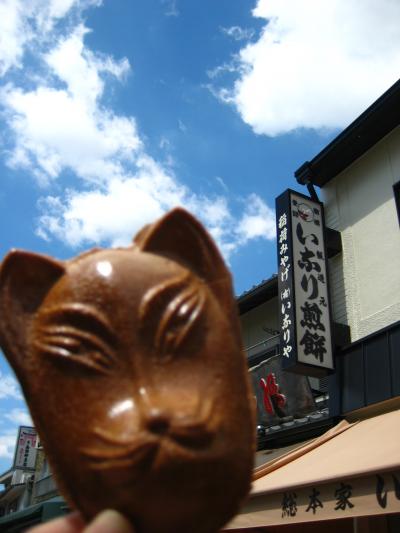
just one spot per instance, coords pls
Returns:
(352, 470)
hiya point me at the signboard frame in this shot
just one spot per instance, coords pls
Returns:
(32, 431)
(289, 266)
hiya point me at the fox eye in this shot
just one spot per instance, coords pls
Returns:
(170, 313)
(77, 336)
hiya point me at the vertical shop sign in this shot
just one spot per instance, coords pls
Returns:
(304, 308)
(25, 452)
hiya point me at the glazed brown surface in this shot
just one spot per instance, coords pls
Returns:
(132, 365)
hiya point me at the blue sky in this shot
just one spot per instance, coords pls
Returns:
(114, 111)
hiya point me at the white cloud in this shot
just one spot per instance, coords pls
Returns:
(56, 129)
(171, 8)
(222, 183)
(23, 22)
(316, 64)
(9, 387)
(214, 73)
(258, 221)
(115, 213)
(60, 125)
(7, 444)
(59, 8)
(165, 143)
(182, 126)
(238, 34)
(80, 69)
(11, 417)
(19, 417)
(11, 35)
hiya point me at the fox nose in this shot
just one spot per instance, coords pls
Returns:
(157, 422)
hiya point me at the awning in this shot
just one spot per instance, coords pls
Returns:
(33, 515)
(352, 470)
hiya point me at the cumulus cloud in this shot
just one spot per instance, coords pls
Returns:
(7, 444)
(316, 64)
(23, 22)
(59, 128)
(9, 387)
(19, 417)
(115, 213)
(238, 33)
(257, 221)
(11, 415)
(58, 124)
(222, 183)
(171, 8)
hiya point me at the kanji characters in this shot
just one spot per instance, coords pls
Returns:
(312, 317)
(289, 506)
(343, 495)
(282, 221)
(315, 502)
(314, 344)
(283, 235)
(304, 309)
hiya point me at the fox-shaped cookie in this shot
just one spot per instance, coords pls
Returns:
(132, 365)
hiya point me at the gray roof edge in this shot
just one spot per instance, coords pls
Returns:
(264, 291)
(360, 130)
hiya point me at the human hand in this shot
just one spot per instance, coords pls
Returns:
(106, 522)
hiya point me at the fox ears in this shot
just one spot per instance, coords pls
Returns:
(26, 278)
(180, 237)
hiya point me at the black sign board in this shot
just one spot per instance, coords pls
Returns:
(303, 295)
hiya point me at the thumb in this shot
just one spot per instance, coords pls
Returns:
(109, 522)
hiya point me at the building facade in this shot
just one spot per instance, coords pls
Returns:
(18, 480)
(30, 495)
(359, 176)
(358, 181)
(352, 472)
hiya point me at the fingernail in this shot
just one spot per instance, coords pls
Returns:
(109, 522)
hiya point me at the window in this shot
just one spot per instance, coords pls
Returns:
(396, 190)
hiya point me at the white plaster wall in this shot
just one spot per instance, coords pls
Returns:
(360, 203)
(253, 321)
